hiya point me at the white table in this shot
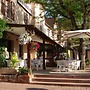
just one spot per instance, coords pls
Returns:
(38, 64)
(67, 65)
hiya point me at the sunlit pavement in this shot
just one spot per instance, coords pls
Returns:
(20, 86)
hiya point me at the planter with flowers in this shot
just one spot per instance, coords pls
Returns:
(34, 46)
(24, 38)
(24, 75)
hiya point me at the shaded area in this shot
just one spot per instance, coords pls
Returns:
(36, 89)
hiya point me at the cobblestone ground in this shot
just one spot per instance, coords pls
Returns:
(18, 86)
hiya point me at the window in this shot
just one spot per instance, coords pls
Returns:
(8, 9)
(25, 18)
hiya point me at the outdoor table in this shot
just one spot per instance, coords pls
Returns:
(68, 65)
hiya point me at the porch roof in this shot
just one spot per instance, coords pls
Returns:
(37, 32)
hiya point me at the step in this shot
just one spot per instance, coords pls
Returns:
(61, 84)
(62, 79)
(73, 80)
(81, 76)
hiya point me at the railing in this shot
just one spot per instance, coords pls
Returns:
(47, 31)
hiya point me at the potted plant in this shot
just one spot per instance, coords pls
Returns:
(24, 75)
(24, 38)
(14, 60)
(4, 69)
(34, 46)
(23, 71)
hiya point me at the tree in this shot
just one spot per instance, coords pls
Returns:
(74, 12)
(3, 26)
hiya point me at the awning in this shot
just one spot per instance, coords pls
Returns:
(77, 34)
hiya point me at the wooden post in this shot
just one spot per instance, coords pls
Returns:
(28, 55)
(44, 66)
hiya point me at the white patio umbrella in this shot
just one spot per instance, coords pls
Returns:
(78, 34)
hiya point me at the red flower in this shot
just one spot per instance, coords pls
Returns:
(34, 46)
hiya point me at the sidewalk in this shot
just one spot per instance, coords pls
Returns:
(19, 86)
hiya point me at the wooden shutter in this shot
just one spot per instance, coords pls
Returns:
(8, 11)
(13, 10)
(3, 6)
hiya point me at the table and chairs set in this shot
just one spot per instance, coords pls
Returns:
(37, 64)
(62, 65)
(68, 65)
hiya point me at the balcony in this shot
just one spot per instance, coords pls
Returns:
(7, 9)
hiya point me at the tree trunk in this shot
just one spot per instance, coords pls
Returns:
(82, 53)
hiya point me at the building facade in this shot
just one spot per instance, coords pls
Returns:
(19, 16)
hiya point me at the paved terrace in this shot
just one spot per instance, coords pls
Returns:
(18, 86)
(55, 71)
(22, 86)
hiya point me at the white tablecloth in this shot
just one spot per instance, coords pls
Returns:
(69, 64)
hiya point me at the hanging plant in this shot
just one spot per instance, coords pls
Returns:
(24, 38)
(34, 46)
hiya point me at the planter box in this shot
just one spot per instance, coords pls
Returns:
(16, 78)
(23, 79)
(10, 75)
(7, 71)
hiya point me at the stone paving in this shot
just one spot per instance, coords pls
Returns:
(20, 86)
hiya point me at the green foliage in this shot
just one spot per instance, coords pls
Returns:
(2, 57)
(72, 10)
(23, 70)
(3, 26)
(87, 62)
(14, 60)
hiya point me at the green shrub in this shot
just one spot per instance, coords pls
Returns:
(23, 70)
(3, 62)
(87, 62)
(14, 60)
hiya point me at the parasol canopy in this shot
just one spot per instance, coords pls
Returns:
(78, 34)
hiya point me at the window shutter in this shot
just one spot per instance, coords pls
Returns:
(13, 10)
(25, 18)
(3, 6)
(8, 9)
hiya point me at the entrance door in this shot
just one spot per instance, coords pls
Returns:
(6, 43)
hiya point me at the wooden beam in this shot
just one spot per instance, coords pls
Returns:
(37, 32)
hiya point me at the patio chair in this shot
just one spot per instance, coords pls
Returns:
(61, 66)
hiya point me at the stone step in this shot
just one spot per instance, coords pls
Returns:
(70, 80)
(61, 84)
(78, 76)
(62, 79)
